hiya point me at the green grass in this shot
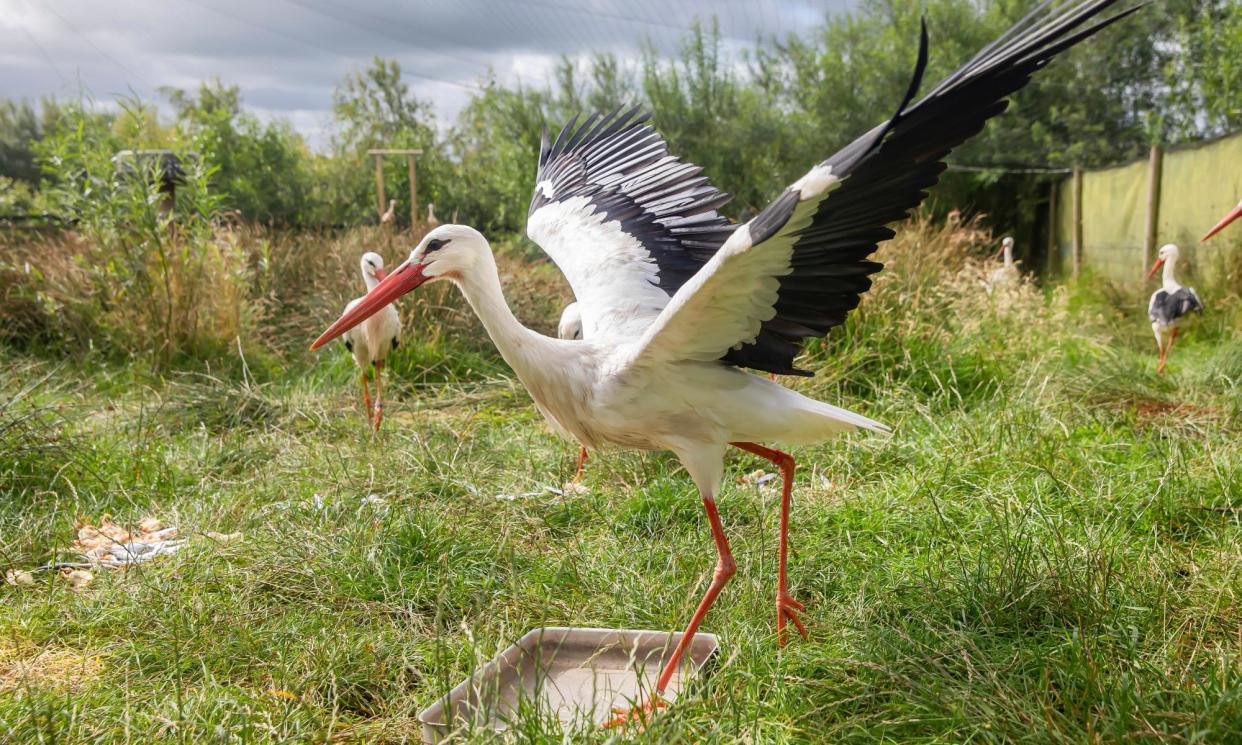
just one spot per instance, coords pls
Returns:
(1047, 550)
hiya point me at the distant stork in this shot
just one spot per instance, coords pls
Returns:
(570, 329)
(391, 214)
(1170, 304)
(676, 299)
(1234, 214)
(371, 341)
(1007, 273)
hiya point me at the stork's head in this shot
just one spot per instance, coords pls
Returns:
(448, 252)
(570, 326)
(1006, 245)
(1168, 253)
(372, 265)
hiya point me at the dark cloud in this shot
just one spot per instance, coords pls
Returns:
(288, 55)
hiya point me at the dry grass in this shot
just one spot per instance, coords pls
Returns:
(24, 666)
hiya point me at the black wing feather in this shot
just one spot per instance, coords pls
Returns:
(624, 168)
(886, 173)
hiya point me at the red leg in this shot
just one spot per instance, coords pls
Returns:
(786, 607)
(725, 567)
(366, 396)
(379, 398)
(582, 459)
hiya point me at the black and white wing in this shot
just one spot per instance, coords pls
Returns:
(799, 267)
(1169, 307)
(625, 221)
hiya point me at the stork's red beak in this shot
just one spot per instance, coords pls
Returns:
(1159, 263)
(1234, 215)
(402, 280)
(1000, 252)
(380, 274)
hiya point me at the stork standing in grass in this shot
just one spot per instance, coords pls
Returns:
(1170, 304)
(676, 299)
(1234, 214)
(1007, 273)
(371, 341)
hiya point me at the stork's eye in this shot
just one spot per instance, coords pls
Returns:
(435, 245)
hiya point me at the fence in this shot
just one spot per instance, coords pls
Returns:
(1124, 214)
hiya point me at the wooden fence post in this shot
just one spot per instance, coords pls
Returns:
(1155, 166)
(409, 159)
(379, 184)
(1077, 216)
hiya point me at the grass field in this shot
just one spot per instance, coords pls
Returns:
(1046, 550)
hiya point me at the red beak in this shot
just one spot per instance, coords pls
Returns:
(1234, 215)
(380, 274)
(402, 280)
(1159, 263)
(1000, 252)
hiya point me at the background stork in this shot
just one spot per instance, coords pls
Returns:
(675, 298)
(1234, 214)
(1007, 273)
(570, 328)
(373, 340)
(1170, 304)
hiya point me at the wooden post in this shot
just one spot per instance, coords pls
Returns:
(410, 155)
(409, 159)
(379, 185)
(1155, 165)
(1077, 217)
(1054, 248)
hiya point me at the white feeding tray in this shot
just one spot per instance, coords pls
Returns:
(572, 675)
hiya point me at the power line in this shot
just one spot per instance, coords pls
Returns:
(317, 47)
(50, 62)
(618, 17)
(1005, 169)
(347, 16)
(96, 47)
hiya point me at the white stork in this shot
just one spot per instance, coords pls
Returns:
(1007, 273)
(570, 329)
(390, 214)
(371, 341)
(1234, 214)
(1170, 304)
(676, 299)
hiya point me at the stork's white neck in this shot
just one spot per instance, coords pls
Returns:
(1170, 282)
(521, 347)
(370, 280)
(1008, 255)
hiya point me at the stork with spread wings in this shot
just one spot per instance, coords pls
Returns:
(676, 301)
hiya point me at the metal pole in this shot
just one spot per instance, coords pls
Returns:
(1054, 247)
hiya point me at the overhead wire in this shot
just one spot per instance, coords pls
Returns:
(97, 48)
(317, 46)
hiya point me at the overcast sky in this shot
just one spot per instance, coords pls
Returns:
(287, 55)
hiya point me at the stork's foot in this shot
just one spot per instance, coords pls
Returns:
(641, 715)
(787, 610)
